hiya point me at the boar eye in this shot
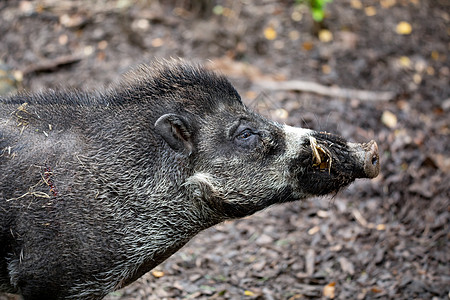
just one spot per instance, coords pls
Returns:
(246, 138)
(244, 135)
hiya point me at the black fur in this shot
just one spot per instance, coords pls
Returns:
(98, 188)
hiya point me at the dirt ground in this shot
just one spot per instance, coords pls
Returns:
(386, 238)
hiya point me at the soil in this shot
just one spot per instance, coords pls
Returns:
(385, 238)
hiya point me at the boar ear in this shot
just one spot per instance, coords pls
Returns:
(175, 131)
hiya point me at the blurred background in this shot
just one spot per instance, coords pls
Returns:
(365, 69)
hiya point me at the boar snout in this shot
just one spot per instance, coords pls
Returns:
(369, 158)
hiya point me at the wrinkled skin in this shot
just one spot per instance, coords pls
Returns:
(96, 189)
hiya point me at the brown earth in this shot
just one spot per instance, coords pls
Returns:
(386, 238)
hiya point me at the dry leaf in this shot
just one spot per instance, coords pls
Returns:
(63, 39)
(157, 42)
(376, 289)
(405, 61)
(323, 214)
(26, 7)
(248, 293)
(18, 75)
(88, 50)
(370, 11)
(435, 55)
(218, 10)
(417, 79)
(326, 69)
(264, 239)
(296, 16)
(270, 33)
(381, 227)
(294, 35)
(71, 21)
(141, 25)
(313, 230)
(325, 35)
(157, 273)
(389, 119)
(101, 55)
(387, 3)
(403, 28)
(281, 113)
(356, 4)
(307, 46)
(442, 162)
(233, 68)
(329, 290)
(102, 45)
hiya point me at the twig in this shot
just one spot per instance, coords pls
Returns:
(51, 65)
(331, 91)
(361, 220)
(35, 194)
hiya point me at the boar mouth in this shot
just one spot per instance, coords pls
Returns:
(322, 158)
(332, 163)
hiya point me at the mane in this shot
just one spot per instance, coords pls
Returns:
(159, 82)
(70, 97)
(168, 78)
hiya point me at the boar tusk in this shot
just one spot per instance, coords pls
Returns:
(316, 155)
(319, 157)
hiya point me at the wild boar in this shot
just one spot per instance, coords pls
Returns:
(98, 188)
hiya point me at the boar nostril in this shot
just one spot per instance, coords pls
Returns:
(372, 160)
(375, 160)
